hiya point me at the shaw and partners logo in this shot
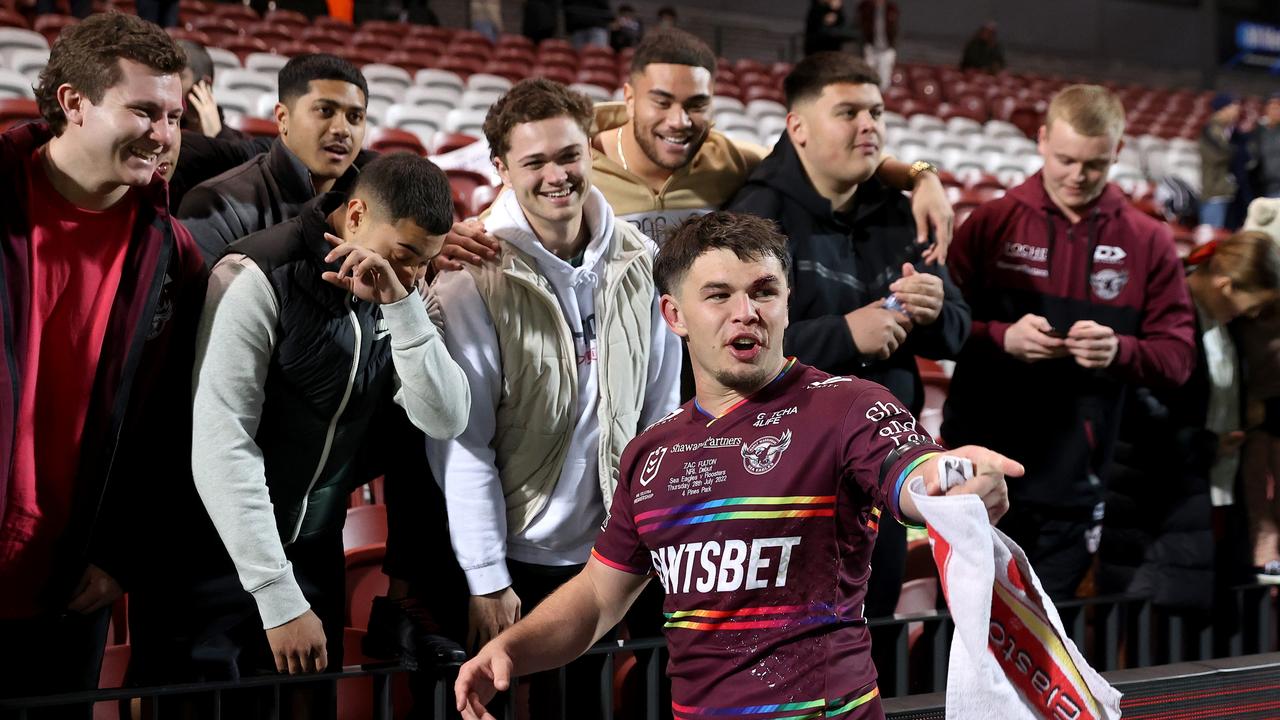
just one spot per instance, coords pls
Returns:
(728, 566)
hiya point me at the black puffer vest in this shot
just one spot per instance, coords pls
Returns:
(330, 374)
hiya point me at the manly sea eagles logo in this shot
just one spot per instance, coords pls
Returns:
(763, 454)
(651, 465)
(1107, 284)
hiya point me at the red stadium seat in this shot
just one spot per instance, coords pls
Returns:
(238, 12)
(298, 47)
(14, 111)
(413, 43)
(243, 45)
(359, 55)
(50, 25)
(386, 140)
(558, 56)
(729, 90)
(366, 525)
(559, 73)
(373, 41)
(468, 51)
(762, 92)
(323, 36)
(464, 67)
(115, 664)
(273, 35)
(513, 71)
(386, 27)
(365, 581)
(255, 126)
(1028, 118)
(195, 36)
(557, 44)
(214, 24)
(506, 40)
(472, 37)
(514, 54)
(410, 61)
(746, 65)
(598, 63)
(448, 142)
(465, 183)
(605, 79)
(334, 24)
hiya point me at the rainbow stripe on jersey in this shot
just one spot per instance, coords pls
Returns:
(799, 506)
(808, 710)
(754, 618)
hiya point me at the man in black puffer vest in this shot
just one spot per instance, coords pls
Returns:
(311, 328)
(854, 255)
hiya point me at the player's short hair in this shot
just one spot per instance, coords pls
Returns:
(405, 186)
(296, 75)
(86, 56)
(749, 237)
(1250, 259)
(1091, 110)
(672, 46)
(814, 73)
(531, 100)
(198, 60)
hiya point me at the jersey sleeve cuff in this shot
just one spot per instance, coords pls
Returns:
(617, 565)
(899, 470)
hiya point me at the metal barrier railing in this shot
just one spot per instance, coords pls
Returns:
(1113, 632)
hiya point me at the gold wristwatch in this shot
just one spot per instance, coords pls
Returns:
(921, 166)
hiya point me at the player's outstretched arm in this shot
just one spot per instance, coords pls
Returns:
(990, 469)
(560, 629)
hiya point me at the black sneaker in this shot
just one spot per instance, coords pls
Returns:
(405, 629)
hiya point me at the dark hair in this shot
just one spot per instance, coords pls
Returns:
(531, 100)
(749, 237)
(404, 186)
(625, 8)
(86, 56)
(1249, 258)
(297, 74)
(668, 11)
(672, 46)
(198, 59)
(814, 73)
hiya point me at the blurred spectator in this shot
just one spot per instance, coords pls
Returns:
(539, 20)
(1268, 144)
(202, 113)
(1218, 184)
(1075, 295)
(418, 12)
(103, 290)
(1177, 522)
(79, 8)
(865, 302)
(587, 22)
(667, 17)
(524, 506)
(627, 29)
(878, 23)
(824, 27)
(321, 115)
(983, 51)
(486, 18)
(161, 12)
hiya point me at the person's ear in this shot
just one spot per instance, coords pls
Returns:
(671, 313)
(73, 104)
(797, 129)
(282, 119)
(503, 171)
(629, 99)
(357, 215)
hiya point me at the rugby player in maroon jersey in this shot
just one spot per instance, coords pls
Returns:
(755, 505)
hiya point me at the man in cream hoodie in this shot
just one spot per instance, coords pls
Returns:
(566, 354)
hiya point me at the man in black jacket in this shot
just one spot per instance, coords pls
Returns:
(864, 303)
(321, 116)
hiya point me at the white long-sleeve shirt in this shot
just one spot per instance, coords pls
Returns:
(234, 345)
(564, 531)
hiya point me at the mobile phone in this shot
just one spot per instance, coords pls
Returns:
(1056, 333)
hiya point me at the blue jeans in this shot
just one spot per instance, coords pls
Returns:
(1214, 212)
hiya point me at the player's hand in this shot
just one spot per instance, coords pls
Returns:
(1230, 442)
(467, 242)
(299, 645)
(931, 209)
(201, 99)
(990, 469)
(877, 332)
(1029, 340)
(480, 678)
(95, 591)
(364, 273)
(920, 294)
(1091, 344)
(489, 615)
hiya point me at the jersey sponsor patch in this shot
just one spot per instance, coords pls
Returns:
(726, 567)
(1109, 254)
(1108, 284)
(651, 465)
(829, 382)
(762, 454)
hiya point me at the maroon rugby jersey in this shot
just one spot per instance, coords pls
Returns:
(759, 525)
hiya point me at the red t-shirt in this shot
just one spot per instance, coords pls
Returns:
(77, 257)
(759, 525)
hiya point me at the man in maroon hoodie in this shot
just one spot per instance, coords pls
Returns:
(1074, 295)
(99, 293)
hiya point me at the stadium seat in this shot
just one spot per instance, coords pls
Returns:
(9, 18)
(327, 37)
(250, 81)
(29, 62)
(465, 183)
(762, 92)
(509, 70)
(271, 34)
(922, 122)
(51, 25)
(555, 44)
(961, 125)
(771, 126)
(763, 107)
(195, 36)
(255, 126)
(238, 12)
(12, 38)
(14, 84)
(235, 103)
(487, 82)
(597, 93)
(558, 73)
(359, 56)
(728, 105)
(14, 111)
(462, 120)
(436, 99)
(461, 66)
(449, 141)
(607, 79)
(115, 666)
(422, 121)
(389, 75)
(436, 78)
(365, 525)
(223, 60)
(365, 581)
(409, 61)
(265, 63)
(335, 24)
(479, 99)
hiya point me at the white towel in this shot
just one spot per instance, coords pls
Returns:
(1010, 657)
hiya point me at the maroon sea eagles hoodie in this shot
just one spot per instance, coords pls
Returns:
(1018, 255)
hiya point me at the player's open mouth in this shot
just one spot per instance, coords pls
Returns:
(144, 155)
(680, 141)
(745, 347)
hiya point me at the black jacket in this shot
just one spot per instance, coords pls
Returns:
(841, 261)
(262, 192)
(1158, 534)
(311, 381)
(202, 158)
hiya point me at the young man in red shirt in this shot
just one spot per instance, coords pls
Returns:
(101, 291)
(746, 503)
